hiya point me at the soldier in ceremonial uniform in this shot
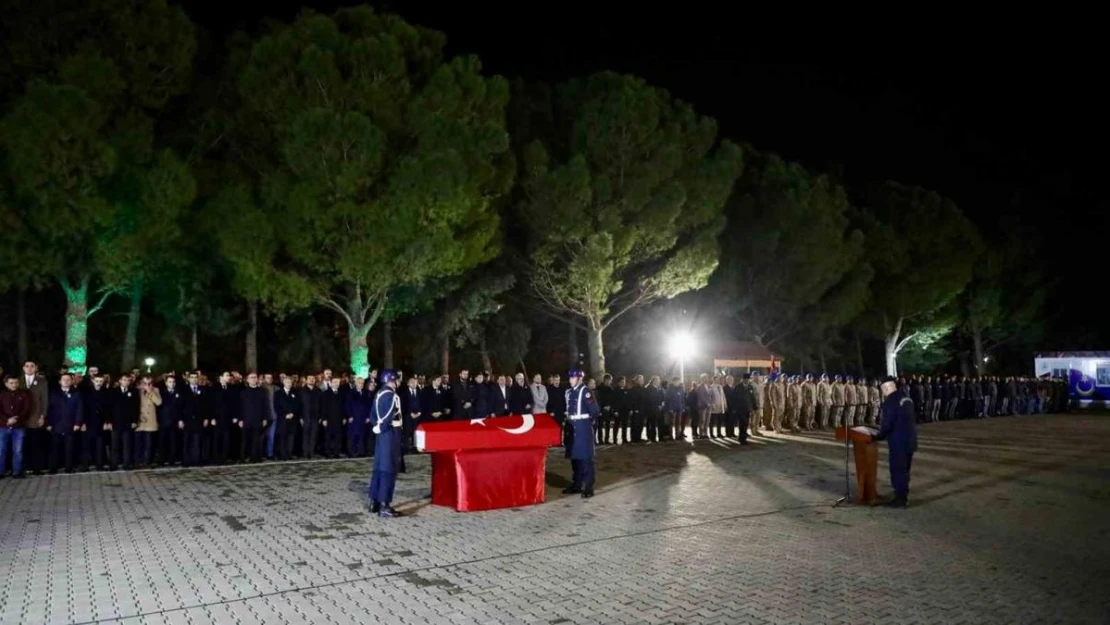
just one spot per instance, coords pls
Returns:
(387, 446)
(582, 410)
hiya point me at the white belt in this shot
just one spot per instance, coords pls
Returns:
(577, 417)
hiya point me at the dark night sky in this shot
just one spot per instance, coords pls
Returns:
(1004, 127)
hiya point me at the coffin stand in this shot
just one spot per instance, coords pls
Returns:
(486, 464)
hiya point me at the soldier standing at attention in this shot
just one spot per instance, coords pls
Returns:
(759, 395)
(837, 401)
(874, 397)
(795, 392)
(809, 402)
(582, 410)
(387, 446)
(824, 401)
(861, 400)
(778, 403)
(849, 401)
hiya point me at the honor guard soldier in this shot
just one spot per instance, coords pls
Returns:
(582, 410)
(387, 446)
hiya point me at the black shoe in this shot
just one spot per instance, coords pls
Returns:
(897, 502)
(375, 508)
(387, 513)
(586, 494)
(572, 489)
(19, 477)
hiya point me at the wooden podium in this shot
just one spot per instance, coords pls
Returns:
(867, 460)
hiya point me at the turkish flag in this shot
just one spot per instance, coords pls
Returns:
(510, 432)
(485, 464)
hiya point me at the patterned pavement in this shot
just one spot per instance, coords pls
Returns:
(1009, 523)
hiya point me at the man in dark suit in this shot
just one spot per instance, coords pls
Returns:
(310, 416)
(412, 411)
(331, 417)
(499, 402)
(63, 421)
(171, 419)
(125, 418)
(434, 400)
(462, 395)
(195, 413)
(287, 407)
(254, 416)
(225, 411)
(97, 413)
(520, 396)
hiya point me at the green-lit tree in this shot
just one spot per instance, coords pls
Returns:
(922, 249)
(622, 200)
(374, 158)
(81, 155)
(790, 258)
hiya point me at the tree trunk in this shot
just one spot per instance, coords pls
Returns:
(77, 325)
(445, 354)
(252, 338)
(572, 344)
(359, 351)
(892, 348)
(194, 356)
(979, 362)
(387, 345)
(317, 345)
(859, 354)
(821, 356)
(131, 334)
(487, 366)
(597, 351)
(21, 325)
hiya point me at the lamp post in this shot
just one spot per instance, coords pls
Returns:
(681, 345)
(149, 362)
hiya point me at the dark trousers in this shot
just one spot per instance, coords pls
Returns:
(168, 443)
(741, 421)
(286, 437)
(36, 448)
(144, 447)
(250, 444)
(900, 462)
(382, 484)
(221, 443)
(92, 447)
(651, 423)
(121, 447)
(61, 450)
(583, 473)
(716, 423)
(355, 439)
(730, 424)
(635, 426)
(331, 440)
(308, 443)
(191, 448)
(617, 427)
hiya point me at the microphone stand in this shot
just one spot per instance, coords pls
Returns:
(847, 498)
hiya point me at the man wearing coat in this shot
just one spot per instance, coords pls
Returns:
(63, 421)
(37, 439)
(125, 418)
(287, 407)
(900, 432)
(15, 408)
(582, 410)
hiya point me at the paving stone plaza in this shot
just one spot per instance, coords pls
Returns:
(1009, 522)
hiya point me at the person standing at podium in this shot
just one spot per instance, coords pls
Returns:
(582, 410)
(900, 432)
(387, 446)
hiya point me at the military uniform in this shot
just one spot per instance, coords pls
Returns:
(778, 403)
(795, 412)
(824, 402)
(582, 411)
(861, 401)
(759, 393)
(387, 447)
(809, 402)
(837, 401)
(875, 398)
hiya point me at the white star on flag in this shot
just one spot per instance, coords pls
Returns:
(481, 421)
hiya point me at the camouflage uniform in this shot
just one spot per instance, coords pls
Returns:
(837, 401)
(875, 397)
(795, 397)
(824, 401)
(849, 402)
(809, 402)
(778, 403)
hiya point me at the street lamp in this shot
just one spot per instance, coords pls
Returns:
(149, 362)
(681, 346)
